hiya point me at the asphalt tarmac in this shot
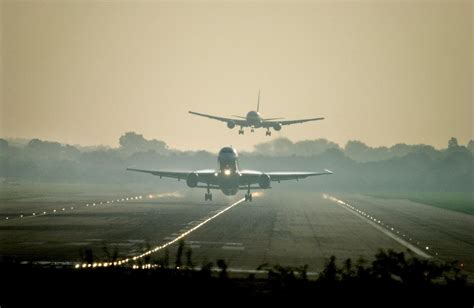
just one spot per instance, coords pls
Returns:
(280, 226)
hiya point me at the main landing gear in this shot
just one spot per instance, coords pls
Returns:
(208, 195)
(268, 132)
(252, 130)
(241, 131)
(248, 195)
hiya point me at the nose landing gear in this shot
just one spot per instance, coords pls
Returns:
(241, 131)
(268, 132)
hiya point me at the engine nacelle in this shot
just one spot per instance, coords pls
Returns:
(192, 179)
(277, 126)
(231, 124)
(264, 181)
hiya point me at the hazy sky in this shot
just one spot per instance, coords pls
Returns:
(85, 72)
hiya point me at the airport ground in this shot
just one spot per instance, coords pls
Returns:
(285, 226)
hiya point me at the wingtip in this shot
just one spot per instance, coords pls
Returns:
(328, 171)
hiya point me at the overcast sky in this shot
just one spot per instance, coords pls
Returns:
(384, 72)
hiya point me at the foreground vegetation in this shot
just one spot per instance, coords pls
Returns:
(390, 273)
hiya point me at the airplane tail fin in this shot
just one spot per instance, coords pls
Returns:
(258, 101)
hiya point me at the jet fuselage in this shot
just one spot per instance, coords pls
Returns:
(228, 173)
(254, 119)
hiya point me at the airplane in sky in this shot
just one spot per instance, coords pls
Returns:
(254, 120)
(228, 178)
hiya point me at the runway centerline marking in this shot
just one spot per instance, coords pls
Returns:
(376, 224)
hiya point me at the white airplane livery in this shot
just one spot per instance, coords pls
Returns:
(254, 119)
(228, 178)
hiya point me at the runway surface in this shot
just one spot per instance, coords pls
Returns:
(279, 227)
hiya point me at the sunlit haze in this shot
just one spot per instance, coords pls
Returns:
(85, 72)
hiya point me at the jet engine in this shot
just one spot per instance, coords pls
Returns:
(231, 124)
(264, 181)
(192, 180)
(277, 126)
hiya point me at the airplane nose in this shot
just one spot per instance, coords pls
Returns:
(228, 152)
(227, 156)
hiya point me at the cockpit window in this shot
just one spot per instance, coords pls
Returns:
(228, 150)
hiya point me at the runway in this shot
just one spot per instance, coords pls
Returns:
(383, 227)
(280, 227)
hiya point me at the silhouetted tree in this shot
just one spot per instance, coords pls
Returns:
(189, 257)
(88, 255)
(452, 143)
(330, 274)
(223, 267)
(303, 271)
(470, 146)
(206, 269)
(132, 142)
(356, 150)
(348, 271)
(164, 261)
(179, 254)
(454, 277)
(105, 249)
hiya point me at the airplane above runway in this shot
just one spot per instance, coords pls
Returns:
(228, 178)
(254, 119)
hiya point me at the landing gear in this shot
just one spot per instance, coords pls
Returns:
(268, 132)
(241, 131)
(248, 195)
(208, 195)
(252, 130)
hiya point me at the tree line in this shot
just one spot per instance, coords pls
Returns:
(356, 165)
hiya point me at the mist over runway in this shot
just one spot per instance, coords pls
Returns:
(282, 226)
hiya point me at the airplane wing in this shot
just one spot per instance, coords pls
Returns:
(204, 176)
(249, 177)
(289, 122)
(237, 122)
(285, 176)
(272, 119)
